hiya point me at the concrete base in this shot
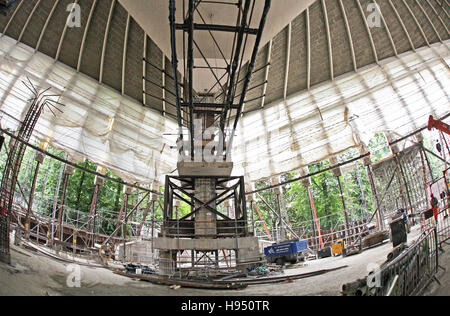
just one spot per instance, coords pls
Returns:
(248, 250)
(206, 244)
(207, 169)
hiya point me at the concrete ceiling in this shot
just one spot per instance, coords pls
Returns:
(153, 17)
(110, 47)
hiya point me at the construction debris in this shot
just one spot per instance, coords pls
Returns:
(226, 285)
(138, 269)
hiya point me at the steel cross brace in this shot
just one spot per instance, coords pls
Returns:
(201, 202)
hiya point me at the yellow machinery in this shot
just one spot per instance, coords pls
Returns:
(337, 247)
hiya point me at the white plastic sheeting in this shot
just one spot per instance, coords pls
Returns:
(98, 123)
(137, 143)
(397, 95)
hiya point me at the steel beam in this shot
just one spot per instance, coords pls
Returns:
(234, 66)
(190, 66)
(217, 28)
(251, 66)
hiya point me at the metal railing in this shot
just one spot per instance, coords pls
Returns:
(411, 272)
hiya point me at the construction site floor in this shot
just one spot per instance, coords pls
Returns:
(35, 274)
(443, 276)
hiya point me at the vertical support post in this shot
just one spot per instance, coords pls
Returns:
(337, 173)
(39, 159)
(313, 209)
(144, 216)
(52, 227)
(281, 214)
(347, 224)
(68, 171)
(263, 222)
(154, 200)
(405, 183)
(380, 217)
(99, 182)
(74, 242)
(127, 191)
(124, 231)
(93, 213)
(153, 225)
(242, 198)
(252, 217)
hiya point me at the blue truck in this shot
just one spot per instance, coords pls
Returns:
(291, 251)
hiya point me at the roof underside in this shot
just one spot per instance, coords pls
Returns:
(328, 40)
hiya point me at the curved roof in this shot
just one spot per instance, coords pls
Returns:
(312, 67)
(329, 39)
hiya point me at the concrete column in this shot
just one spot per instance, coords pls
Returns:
(205, 220)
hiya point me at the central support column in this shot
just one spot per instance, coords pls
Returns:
(205, 220)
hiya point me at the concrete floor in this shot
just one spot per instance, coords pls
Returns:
(443, 276)
(35, 274)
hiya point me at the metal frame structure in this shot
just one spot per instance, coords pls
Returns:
(69, 229)
(224, 111)
(412, 271)
(230, 188)
(39, 101)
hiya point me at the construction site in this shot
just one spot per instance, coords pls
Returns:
(234, 148)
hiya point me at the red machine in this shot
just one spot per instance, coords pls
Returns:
(439, 125)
